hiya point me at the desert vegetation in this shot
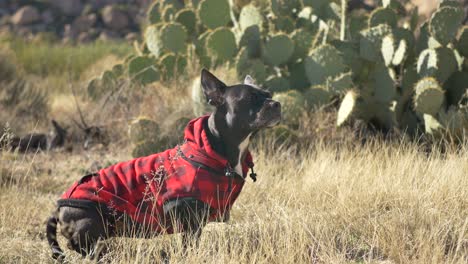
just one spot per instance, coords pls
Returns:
(369, 164)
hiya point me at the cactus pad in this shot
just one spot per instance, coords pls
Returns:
(253, 67)
(383, 15)
(277, 84)
(143, 70)
(383, 83)
(278, 49)
(444, 24)
(221, 44)
(153, 40)
(400, 53)
(200, 106)
(214, 13)
(251, 40)
(171, 66)
(323, 62)
(428, 97)
(283, 24)
(153, 15)
(173, 37)
(349, 108)
(317, 96)
(433, 126)
(142, 129)
(302, 39)
(285, 7)
(292, 105)
(340, 83)
(188, 19)
(388, 49)
(370, 41)
(440, 63)
(250, 16)
(456, 86)
(168, 13)
(462, 44)
(297, 76)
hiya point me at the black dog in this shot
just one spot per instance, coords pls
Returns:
(180, 189)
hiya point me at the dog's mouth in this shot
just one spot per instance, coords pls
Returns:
(269, 116)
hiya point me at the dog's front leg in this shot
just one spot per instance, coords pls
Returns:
(190, 214)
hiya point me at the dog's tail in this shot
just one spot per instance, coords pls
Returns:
(51, 234)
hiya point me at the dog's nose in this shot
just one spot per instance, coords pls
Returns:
(275, 104)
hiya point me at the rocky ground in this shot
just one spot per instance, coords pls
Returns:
(74, 20)
(88, 20)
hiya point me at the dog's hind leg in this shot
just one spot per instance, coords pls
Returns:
(51, 233)
(83, 228)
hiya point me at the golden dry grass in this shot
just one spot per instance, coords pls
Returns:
(379, 203)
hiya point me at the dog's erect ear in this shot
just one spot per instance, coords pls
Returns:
(212, 88)
(249, 80)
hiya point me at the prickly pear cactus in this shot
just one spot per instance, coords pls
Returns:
(172, 66)
(383, 15)
(188, 19)
(251, 39)
(253, 67)
(250, 16)
(214, 13)
(153, 39)
(285, 7)
(323, 62)
(143, 70)
(142, 129)
(351, 107)
(462, 44)
(153, 15)
(278, 49)
(173, 37)
(277, 84)
(303, 40)
(440, 63)
(200, 106)
(444, 24)
(292, 104)
(221, 44)
(371, 40)
(429, 96)
(317, 96)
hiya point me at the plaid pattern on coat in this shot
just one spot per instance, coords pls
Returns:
(140, 187)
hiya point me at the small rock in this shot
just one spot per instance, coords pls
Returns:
(69, 32)
(107, 35)
(84, 23)
(26, 15)
(131, 36)
(84, 37)
(68, 7)
(114, 18)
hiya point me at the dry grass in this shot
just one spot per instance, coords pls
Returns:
(330, 200)
(380, 203)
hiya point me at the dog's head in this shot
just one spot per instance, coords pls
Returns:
(245, 107)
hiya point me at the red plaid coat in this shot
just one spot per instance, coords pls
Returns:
(140, 187)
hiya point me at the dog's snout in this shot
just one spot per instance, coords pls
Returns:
(274, 104)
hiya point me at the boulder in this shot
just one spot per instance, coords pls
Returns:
(84, 23)
(26, 15)
(47, 17)
(114, 18)
(68, 7)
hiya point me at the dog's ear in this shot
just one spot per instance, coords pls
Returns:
(249, 80)
(212, 88)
